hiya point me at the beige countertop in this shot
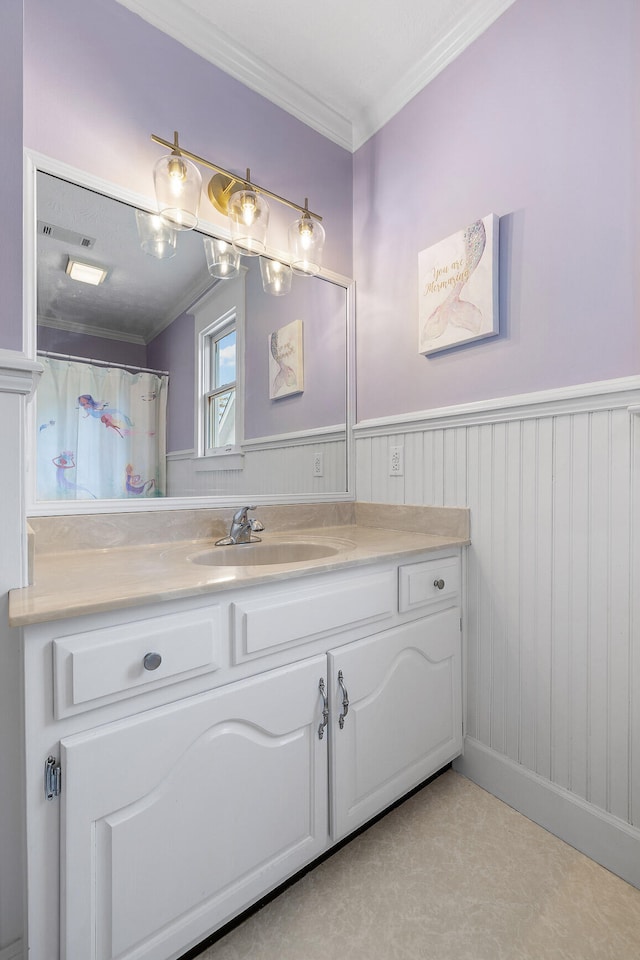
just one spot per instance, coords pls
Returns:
(77, 582)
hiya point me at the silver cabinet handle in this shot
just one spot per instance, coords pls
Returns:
(345, 700)
(325, 709)
(151, 661)
(439, 584)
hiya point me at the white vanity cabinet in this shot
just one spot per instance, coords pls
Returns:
(178, 817)
(402, 696)
(279, 719)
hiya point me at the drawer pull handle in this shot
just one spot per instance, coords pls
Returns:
(439, 584)
(325, 709)
(345, 700)
(151, 661)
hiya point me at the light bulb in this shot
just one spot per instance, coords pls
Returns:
(178, 184)
(176, 168)
(248, 209)
(306, 240)
(306, 233)
(248, 220)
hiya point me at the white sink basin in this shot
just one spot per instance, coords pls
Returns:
(259, 554)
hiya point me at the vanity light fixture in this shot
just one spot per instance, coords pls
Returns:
(157, 238)
(248, 214)
(243, 201)
(178, 184)
(85, 272)
(223, 262)
(276, 277)
(306, 241)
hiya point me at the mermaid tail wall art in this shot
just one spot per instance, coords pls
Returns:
(285, 362)
(459, 288)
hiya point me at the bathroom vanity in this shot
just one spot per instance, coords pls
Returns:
(186, 755)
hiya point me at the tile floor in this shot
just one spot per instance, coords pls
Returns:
(451, 874)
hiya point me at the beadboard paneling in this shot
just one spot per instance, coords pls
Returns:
(13, 952)
(285, 468)
(552, 681)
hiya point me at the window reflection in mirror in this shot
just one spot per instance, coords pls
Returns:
(222, 434)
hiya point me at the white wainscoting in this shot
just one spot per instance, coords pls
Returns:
(18, 377)
(13, 952)
(273, 464)
(552, 618)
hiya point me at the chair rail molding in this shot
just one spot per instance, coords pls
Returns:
(599, 395)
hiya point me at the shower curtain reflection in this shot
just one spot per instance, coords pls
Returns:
(101, 432)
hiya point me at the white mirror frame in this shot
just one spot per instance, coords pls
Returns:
(35, 162)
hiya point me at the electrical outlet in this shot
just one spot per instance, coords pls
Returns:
(318, 465)
(396, 461)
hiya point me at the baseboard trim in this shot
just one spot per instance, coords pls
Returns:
(13, 952)
(602, 837)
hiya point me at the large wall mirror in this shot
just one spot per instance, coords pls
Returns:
(164, 382)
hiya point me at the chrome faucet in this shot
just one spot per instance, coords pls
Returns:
(242, 528)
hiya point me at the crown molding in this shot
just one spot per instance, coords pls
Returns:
(89, 330)
(198, 34)
(439, 56)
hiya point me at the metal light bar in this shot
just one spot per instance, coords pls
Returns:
(173, 145)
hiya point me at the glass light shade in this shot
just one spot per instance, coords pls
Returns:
(178, 185)
(157, 238)
(276, 277)
(306, 242)
(249, 219)
(223, 261)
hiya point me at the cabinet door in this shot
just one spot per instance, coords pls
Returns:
(176, 819)
(404, 720)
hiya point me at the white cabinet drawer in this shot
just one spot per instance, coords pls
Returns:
(297, 616)
(428, 582)
(115, 662)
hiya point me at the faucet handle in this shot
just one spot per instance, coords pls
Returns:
(240, 516)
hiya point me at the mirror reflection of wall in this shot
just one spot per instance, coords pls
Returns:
(143, 316)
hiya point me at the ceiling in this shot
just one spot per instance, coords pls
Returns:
(140, 296)
(343, 68)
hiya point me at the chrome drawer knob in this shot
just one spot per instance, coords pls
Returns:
(439, 584)
(151, 661)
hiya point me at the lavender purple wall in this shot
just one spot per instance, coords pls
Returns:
(94, 348)
(322, 308)
(98, 82)
(174, 350)
(11, 180)
(538, 122)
